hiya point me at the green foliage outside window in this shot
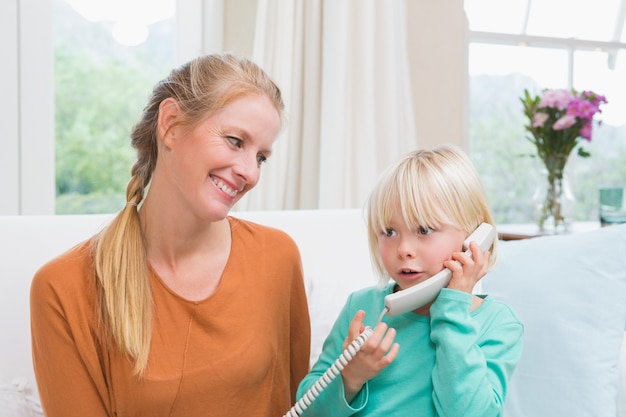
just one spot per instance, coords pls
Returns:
(100, 90)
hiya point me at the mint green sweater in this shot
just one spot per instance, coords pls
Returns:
(451, 363)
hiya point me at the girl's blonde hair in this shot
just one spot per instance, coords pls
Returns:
(431, 188)
(124, 297)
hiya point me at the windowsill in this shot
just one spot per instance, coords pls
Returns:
(528, 230)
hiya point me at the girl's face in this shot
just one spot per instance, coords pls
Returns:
(219, 161)
(412, 256)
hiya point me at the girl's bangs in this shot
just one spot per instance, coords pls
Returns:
(419, 204)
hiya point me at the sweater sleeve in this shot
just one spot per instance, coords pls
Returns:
(68, 376)
(473, 361)
(331, 401)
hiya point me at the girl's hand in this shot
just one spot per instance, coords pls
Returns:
(377, 352)
(467, 270)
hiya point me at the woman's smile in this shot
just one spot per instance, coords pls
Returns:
(228, 190)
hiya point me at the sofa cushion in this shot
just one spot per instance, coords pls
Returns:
(570, 293)
(18, 400)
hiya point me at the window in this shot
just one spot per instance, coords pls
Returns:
(27, 164)
(535, 45)
(107, 57)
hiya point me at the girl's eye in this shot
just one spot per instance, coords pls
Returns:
(261, 158)
(235, 141)
(389, 232)
(424, 230)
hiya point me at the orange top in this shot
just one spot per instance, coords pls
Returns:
(240, 352)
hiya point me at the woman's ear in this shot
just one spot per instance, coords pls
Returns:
(169, 114)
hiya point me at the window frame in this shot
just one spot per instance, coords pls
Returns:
(568, 44)
(27, 166)
(9, 113)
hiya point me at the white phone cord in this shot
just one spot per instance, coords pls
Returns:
(330, 374)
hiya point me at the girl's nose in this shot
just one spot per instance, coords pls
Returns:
(406, 249)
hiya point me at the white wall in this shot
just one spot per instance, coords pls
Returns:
(439, 32)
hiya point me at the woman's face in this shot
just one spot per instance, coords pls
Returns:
(212, 166)
(412, 256)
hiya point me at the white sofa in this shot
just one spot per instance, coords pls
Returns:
(570, 292)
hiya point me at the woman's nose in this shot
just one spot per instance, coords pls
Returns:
(248, 169)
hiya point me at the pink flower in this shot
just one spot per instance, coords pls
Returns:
(539, 119)
(585, 131)
(582, 108)
(564, 122)
(559, 119)
(559, 99)
(596, 99)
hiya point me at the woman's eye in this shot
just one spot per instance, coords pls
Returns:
(424, 230)
(261, 158)
(235, 141)
(389, 232)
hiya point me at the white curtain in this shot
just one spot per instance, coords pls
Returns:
(343, 68)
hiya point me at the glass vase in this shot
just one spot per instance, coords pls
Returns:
(554, 202)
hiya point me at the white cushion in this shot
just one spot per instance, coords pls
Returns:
(570, 293)
(621, 401)
(18, 400)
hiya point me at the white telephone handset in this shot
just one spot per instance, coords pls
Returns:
(397, 303)
(426, 291)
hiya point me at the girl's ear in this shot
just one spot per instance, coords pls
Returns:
(169, 114)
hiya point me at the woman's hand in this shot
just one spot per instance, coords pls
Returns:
(467, 270)
(376, 354)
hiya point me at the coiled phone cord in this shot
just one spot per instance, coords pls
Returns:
(332, 372)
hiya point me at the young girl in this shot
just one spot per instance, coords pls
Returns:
(452, 357)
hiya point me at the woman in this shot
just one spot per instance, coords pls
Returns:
(176, 308)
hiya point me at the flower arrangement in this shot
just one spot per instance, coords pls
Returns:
(558, 120)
